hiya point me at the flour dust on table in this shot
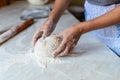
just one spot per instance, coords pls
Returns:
(44, 48)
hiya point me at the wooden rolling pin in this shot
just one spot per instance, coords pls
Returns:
(15, 30)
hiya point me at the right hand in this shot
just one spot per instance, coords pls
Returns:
(70, 37)
(45, 30)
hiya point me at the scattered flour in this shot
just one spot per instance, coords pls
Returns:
(43, 50)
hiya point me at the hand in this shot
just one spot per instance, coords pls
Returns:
(70, 39)
(45, 30)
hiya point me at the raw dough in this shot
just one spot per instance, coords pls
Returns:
(45, 47)
(43, 50)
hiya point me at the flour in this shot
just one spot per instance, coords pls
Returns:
(44, 48)
(25, 55)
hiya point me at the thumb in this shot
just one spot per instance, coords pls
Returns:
(45, 34)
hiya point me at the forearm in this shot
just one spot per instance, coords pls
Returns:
(110, 18)
(58, 9)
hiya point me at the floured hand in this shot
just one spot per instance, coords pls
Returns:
(45, 30)
(70, 39)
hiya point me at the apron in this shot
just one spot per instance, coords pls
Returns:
(110, 35)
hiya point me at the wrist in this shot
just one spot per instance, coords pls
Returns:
(84, 27)
(50, 22)
(53, 19)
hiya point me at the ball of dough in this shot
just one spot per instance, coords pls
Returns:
(45, 47)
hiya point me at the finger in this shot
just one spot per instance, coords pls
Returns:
(45, 34)
(71, 49)
(66, 51)
(60, 48)
(36, 37)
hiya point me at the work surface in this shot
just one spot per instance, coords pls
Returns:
(91, 60)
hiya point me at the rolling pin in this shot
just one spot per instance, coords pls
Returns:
(15, 30)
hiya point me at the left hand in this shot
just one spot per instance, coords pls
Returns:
(43, 31)
(70, 38)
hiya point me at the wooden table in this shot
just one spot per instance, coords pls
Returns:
(91, 60)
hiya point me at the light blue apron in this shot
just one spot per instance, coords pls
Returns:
(110, 35)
